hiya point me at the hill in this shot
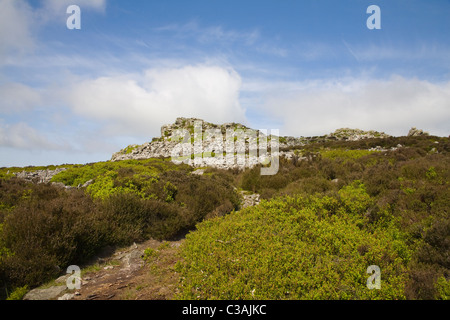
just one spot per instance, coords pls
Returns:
(338, 204)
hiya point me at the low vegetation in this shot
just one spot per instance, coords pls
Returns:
(328, 218)
(45, 228)
(296, 248)
(330, 212)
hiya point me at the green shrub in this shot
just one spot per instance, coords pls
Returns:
(149, 254)
(355, 198)
(431, 173)
(284, 249)
(18, 293)
(133, 219)
(171, 191)
(443, 288)
(203, 194)
(345, 154)
(251, 180)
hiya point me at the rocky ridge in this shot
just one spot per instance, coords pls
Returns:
(201, 146)
(164, 146)
(213, 138)
(355, 134)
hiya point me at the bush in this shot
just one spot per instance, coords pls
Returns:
(44, 228)
(133, 219)
(345, 154)
(355, 198)
(46, 234)
(18, 293)
(431, 265)
(283, 249)
(204, 194)
(251, 180)
(399, 196)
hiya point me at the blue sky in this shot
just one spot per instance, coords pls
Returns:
(303, 67)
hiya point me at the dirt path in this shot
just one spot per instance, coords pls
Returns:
(124, 275)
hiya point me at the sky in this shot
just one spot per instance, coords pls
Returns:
(304, 67)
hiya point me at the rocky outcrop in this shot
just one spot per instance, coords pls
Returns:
(39, 176)
(209, 138)
(381, 149)
(249, 199)
(45, 176)
(45, 294)
(201, 144)
(414, 132)
(355, 134)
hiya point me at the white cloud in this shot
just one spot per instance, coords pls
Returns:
(22, 136)
(138, 104)
(19, 22)
(393, 106)
(17, 98)
(15, 33)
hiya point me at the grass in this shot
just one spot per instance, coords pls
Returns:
(158, 279)
(130, 149)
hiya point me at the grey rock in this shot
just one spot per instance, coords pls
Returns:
(45, 294)
(62, 279)
(67, 296)
(39, 176)
(414, 132)
(58, 184)
(88, 183)
(249, 200)
(198, 172)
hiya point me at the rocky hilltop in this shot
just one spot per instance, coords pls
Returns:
(200, 143)
(209, 138)
(355, 134)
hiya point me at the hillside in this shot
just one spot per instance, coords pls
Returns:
(337, 204)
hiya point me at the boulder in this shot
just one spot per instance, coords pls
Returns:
(67, 296)
(45, 294)
(414, 132)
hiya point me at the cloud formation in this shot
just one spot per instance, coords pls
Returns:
(15, 32)
(394, 106)
(22, 136)
(19, 23)
(17, 98)
(138, 104)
